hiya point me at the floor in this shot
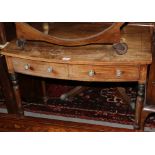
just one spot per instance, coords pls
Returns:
(12, 123)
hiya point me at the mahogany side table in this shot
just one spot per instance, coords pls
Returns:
(91, 63)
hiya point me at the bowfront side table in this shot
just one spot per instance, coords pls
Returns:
(91, 63)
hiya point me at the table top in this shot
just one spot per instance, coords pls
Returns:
(138, 40)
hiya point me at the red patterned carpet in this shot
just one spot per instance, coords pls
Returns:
(101, 102)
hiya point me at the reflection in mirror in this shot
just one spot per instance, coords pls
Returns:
(71, 30)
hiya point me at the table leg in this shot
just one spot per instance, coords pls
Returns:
(139, 104)
(7, 87)
(45, 98)
(144, 115)
(16, 90)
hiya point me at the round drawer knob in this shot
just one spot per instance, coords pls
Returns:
(27, 66)
(91, 73)
(118, 73)
(49, 69)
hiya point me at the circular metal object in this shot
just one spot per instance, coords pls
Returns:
(49, 69)
(118, 73)
(27, 66)
(91, 73)
(121, 48)
(21, 43)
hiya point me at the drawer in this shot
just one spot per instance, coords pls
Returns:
(40, 68)
(103, 73)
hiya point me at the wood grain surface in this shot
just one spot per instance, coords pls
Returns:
(137, 39)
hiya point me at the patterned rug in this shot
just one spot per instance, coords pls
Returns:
(101, 102)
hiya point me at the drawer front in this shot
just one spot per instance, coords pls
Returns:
(103, 73)
(39, 68)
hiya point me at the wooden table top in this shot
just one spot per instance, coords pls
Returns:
(138, 40)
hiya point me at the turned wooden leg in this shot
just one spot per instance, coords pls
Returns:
(2, 34)
(7, 87)
(144, 115)
(45, 98)
(139, 105)
(16, 90)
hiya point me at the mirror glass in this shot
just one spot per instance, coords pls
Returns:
(71, 30)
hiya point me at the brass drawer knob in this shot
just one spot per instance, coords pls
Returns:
(49, 69)
(118, 73)
(91, 73)
(27, 66)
